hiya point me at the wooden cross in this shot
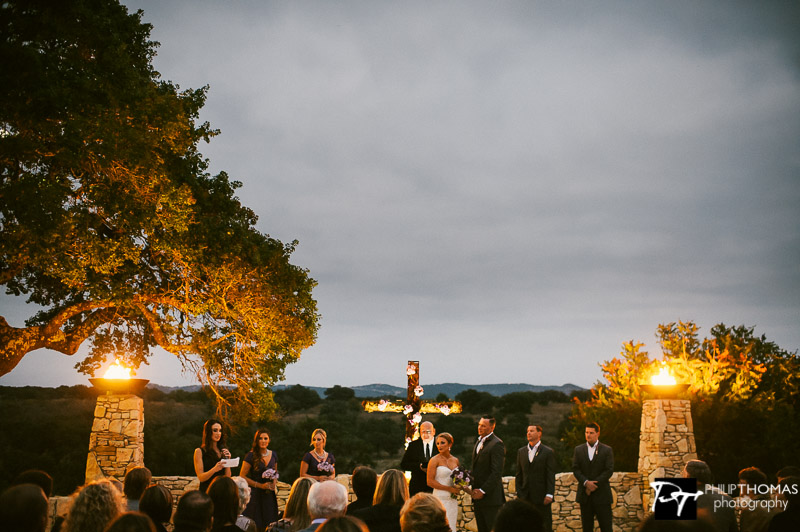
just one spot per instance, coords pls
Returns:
(413, 407)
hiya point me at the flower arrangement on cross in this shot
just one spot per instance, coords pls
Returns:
(413, 407)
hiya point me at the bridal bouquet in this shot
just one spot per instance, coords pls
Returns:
(270, 474)
(325, 467)
(462, 478)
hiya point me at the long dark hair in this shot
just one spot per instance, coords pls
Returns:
(256, 451)
(225, 496)
(207, 432)
(156, 502)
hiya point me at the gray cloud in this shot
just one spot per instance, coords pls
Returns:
(529, 183)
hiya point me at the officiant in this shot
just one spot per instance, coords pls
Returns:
(417, 456)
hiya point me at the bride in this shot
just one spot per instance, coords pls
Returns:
(440, 468)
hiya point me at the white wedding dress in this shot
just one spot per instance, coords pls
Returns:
(450, 504)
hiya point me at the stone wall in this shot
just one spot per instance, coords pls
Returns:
(117, 440)
(626, 490)
(666, 440)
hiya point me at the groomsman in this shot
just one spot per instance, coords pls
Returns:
(418, 453)
(536, 475)
(593, 465)
(488, 458)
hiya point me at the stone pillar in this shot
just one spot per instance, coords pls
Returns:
(117, 440)
(666, 441)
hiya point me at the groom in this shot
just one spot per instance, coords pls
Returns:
(488, 457)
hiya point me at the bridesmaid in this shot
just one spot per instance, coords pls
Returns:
(208, 457)
(318, 463)
(263, 505)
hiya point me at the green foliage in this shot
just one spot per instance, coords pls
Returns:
(46, 429)
(463, 428)
(174, 423)
(112, 224)
(743, 388)
(339, 393)
(516, 402)
(173, 430)
(296, 398)
(475, 402)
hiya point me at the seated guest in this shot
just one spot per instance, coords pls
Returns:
(194, 512)
(364, 480)
(44, 481)
(38, 477)
(754, 515)
(225, 496)
(789, 519)
(423, 513)
(390, 496)
(242, 521)
(156, 503)
(345, 523)
(94, 506)
(713, 505)
(325, 501)
(131, 522)
(136, 481)
(518, 516)
(786, 472)
(295, 515)
(23, 508)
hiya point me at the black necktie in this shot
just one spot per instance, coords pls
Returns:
(427, 451)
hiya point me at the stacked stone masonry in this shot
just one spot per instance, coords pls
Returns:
(666, 440)
(116, 443)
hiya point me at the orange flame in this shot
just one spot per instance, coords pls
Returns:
(663, 377)
(117, 371)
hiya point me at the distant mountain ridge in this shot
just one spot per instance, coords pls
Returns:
(450, 389)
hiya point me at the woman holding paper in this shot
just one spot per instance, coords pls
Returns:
(260, 470)
(208, 458)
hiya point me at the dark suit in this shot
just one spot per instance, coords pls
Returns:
(413, 457)
(487, 467)
(600, 469)
(535, 480)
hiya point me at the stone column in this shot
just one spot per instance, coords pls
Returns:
(666, 441)
(117, 440)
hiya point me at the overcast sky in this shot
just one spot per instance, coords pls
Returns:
(505, 191)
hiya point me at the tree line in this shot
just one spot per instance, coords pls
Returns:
(48, 428)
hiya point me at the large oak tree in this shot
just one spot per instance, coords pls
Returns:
(111, 225)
